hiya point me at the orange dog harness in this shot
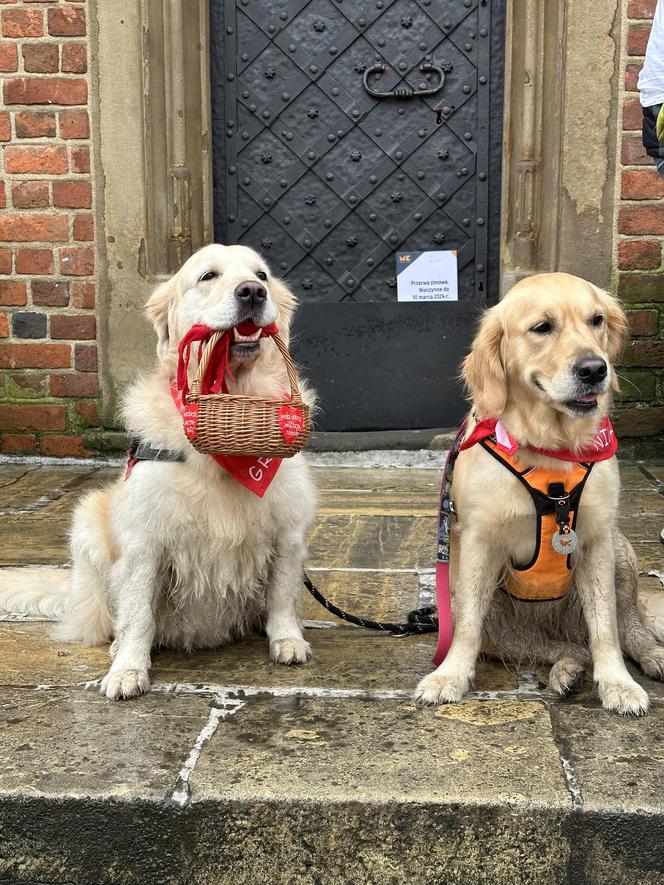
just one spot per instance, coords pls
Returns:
(556, 495)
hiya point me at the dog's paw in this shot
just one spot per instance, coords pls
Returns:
(565, 676)
(125, 683)
(291, 650)
(652, 662)
(623, 696)
(438, 688)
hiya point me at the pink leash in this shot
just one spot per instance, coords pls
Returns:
(443, 596)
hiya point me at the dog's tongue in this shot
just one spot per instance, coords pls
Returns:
(247, 328)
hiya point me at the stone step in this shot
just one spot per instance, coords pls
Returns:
(232, 769)
(235, 770)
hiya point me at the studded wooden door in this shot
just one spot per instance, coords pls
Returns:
(345, 131)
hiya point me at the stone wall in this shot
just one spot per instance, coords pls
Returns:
(48, 326)
(639, 239)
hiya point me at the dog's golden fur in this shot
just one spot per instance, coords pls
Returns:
(181, 554)
(521, 369)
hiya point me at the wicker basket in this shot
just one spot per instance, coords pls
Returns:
(226, 424)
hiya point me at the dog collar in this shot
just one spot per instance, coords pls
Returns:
(603, 445)
(143, 451)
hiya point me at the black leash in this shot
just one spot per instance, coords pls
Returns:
(421, 620)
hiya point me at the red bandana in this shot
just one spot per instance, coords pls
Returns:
(215, 375)
(255, 474)
(603, 446)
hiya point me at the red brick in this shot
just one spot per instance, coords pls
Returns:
(19, 444)
(36, 227)
(29, 384)
(74, 124)
(636, 220)
(62, 446)
(33, 417)
(635, 421)
(34, 261)
(35, 124)
(637, 39)
(89, 412)
(8, 57)
(644, 352)
(643, 323)
(638, 288)
(4, 326)
(633, 152)
(80, 159)
(632, 114)
(30, 194)
(632, 72)
(5, 127)
(35, 356)
(49, 293)
(72, 194)
(42, 160)
(74, 58)
(54, 90)
(74, 385)
(13, 293)
(639, 254)
(40, 58)
(77, 262)
(83, 295)
(66, 21)
(22, 23)
(5, 260)
(641, 8)
(642, 184)
(84, 228)
(85, 358)
(82, 328)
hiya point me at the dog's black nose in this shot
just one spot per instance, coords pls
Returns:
(250, 293)
(591, 369)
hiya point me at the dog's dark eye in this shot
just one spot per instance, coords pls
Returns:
(208, 275)
(597, 320)
(261, 274)
(542, 328)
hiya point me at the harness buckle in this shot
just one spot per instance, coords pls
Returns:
(564, 541)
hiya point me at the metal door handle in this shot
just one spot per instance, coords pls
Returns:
(404, 91)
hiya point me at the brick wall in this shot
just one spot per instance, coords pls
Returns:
(640, 236)
(48, 355)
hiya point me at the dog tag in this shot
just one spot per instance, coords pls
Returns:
(565, 543)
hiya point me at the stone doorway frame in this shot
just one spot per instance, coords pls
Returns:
(153, 169)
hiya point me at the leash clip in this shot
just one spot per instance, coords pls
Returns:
(564, 541)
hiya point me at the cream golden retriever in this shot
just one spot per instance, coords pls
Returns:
(542, 364)
(180, 554)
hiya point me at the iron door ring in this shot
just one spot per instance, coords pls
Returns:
(404, 91)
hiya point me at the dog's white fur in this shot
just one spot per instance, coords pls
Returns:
(181, 554)
(526, 379)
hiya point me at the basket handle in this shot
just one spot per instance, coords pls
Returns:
(207, 353)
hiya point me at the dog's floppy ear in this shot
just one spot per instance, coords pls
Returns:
(483, 369)
(286, 303)
(617, 328)
(156, 311)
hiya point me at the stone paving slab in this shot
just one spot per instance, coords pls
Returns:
(618, 762)
(73, 743)
(356, 749)
(344, 658)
